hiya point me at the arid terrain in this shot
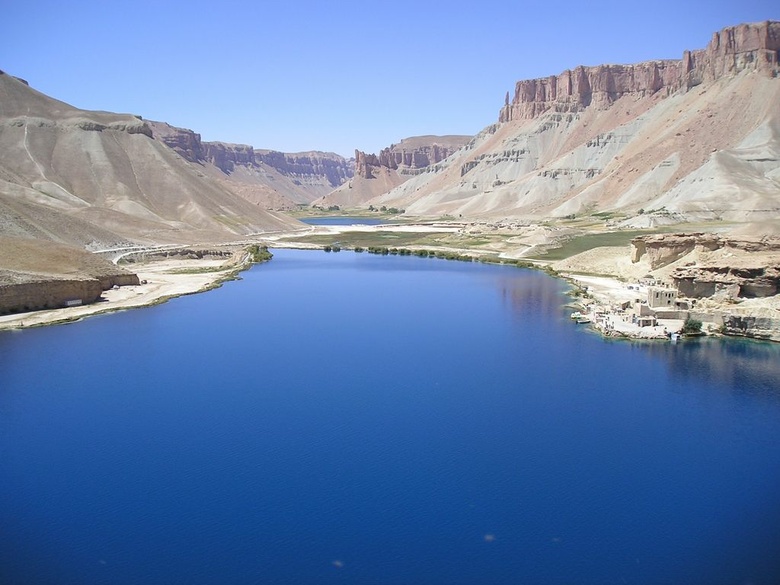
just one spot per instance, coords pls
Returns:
(597, 173)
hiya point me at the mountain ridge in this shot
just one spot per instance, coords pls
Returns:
(628, 139)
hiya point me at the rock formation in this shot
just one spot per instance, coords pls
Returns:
(101, 179)
(663, 249)
(376, 174)
(721, 266)
(42, 275)
(745, 47)
(410, 155)
(692, 139)
(263, 176)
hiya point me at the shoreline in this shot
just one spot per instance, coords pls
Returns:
(163, 280)
(597, 296)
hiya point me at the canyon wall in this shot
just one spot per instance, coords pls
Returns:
(410, 155)
(661, 142)
(226, 157)
(732, 50)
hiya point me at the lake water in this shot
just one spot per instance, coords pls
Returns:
(345, 220)
(354, 419)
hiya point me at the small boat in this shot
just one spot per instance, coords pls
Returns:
(582, 319)
(576, 315)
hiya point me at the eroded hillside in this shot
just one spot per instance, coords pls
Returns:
(687, 140)
(100, 179)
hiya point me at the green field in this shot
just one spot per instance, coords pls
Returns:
(586, 242)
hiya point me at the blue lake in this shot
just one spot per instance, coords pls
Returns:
(349, 418)
(343, 220)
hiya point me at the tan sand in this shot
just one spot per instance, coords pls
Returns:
(164, 279)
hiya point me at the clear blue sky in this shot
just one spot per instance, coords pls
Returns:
(334, 76)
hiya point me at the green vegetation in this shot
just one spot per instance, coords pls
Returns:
(691, 326)
(366, 239)
(422, 253)
(586, 242)
(603, 214)
(259, 254)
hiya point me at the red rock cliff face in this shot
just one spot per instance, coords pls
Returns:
(333, 167)
(226, 156)
(410, 155)
(732, 50)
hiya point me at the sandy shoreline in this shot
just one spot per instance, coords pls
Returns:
(166, 278)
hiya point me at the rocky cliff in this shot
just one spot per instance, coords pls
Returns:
(715, 265)
(43, 275)
(410, 155)
(663, 249)
(376, 174)
(751, 47)
(692, 139)
(35, 294)
(263, 176)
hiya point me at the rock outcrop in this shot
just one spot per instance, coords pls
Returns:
(732, 50)
(720, 266)
(297, 177)
(727, 281)
(667, 248)
(664, 249)
(754, 327)
(409, 156)
(38, 275)
(689, 140)
(333, 168)
(376, 174)
(48, 293)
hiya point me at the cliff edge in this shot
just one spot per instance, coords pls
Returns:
(734, 49)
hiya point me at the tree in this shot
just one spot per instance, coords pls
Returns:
(691, 326)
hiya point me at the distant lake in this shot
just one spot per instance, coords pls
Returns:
(345, 220)
(355, 419)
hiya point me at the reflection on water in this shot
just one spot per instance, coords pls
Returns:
(740, 366)
(347, 418)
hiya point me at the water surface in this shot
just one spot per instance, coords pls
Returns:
(348, 418)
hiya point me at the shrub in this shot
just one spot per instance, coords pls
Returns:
(691, 326)
(258, 254)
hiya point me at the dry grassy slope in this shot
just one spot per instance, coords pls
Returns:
(23, 259)
(710, 152)
(96, 177)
